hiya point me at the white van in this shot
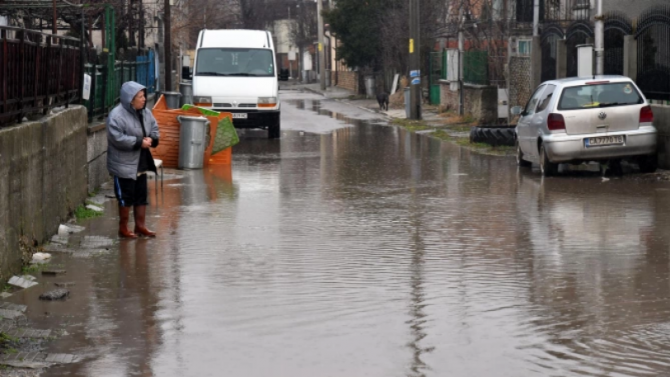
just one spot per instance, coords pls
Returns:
(235, 71)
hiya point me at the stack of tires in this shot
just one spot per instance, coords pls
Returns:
(495, 135)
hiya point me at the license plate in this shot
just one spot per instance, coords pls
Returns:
(239, 115)
(603, 140)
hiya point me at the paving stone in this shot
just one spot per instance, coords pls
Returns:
(57, 248)
(96, 242)
(10, 306)
(10, 314)
(56, 294)
(89, 253)
(60, 358)
(65, 229)
(36, 359)
(21, 282)
(53, 272)
(62, 240)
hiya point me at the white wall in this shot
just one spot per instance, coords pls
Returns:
(282, 33)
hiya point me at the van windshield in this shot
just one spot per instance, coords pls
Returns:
(599, 95)
(246, 62)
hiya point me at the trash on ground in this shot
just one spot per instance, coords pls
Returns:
(64, 230)
(94, 208)
(56, 294)
(53, 272)
(21, 282)
(41, 256)
(63, 240)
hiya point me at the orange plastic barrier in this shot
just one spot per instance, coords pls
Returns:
(168, 125)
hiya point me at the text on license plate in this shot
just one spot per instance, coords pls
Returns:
(239, 115)
(603, 140)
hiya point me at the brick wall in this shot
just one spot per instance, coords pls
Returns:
(43, 177)
(348, 80)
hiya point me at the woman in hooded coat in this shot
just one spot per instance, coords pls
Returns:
(131, 131)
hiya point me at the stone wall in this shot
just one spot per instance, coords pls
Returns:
(662, 124)
(96, 156)
(349, 80)
(481, 102)
(43, 177)
(519, 83)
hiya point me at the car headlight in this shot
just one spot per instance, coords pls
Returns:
(203, 101)
(267, 101)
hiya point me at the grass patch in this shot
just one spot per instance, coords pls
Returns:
(33, 268)
(93, 193)
(412, 125)
(82, 213)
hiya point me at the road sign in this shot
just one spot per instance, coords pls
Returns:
(414, 73)
(416, 81)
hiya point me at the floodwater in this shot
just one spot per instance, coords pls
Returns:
(369, 251)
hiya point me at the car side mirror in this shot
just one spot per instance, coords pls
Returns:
(516, 110)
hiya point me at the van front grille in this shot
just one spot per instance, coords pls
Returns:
(247, 105)
(223, 105)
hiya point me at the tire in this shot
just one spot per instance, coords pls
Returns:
(547, 167)
(274, 131)
(494, 135)
(519, 158)
(648, 164)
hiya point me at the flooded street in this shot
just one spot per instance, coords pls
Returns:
(351, 248)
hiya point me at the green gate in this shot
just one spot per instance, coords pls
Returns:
(438, 71)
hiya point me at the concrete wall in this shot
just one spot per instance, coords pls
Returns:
(348, 80)
(43, 177)
(662, 124)
(519, 83)
(96, 156)
(479, 101)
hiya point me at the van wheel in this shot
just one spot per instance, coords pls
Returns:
(274, 131)
(547, 167)
(648, 164)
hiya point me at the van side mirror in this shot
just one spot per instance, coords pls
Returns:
(516, 110)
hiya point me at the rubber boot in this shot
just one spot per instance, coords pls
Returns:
(124, 216)
(140, 213)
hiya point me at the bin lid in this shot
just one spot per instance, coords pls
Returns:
(191, 118)
(171, 93)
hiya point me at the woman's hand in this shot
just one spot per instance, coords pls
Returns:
(146, 142)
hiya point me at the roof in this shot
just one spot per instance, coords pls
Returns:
(584, 80)
(236, 38)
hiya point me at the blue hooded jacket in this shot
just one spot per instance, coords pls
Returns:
(124, 134)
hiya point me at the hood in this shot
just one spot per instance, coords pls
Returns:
(235, 87)
(128, 91)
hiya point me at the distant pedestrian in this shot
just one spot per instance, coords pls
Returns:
(131, 131)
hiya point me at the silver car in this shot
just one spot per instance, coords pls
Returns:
(605, 119)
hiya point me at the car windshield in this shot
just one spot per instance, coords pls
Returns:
(243, 62)
(599, 95)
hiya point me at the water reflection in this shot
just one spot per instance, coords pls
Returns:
(373, 251)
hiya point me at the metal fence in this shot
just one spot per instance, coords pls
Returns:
(476, 67)
(106, 87)
(38, 71)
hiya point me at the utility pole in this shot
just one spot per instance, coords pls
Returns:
(536, 18)
(414, 61)
(600, 40)
(322, 59)
(168, 47)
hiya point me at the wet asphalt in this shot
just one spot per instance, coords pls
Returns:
(353, 248)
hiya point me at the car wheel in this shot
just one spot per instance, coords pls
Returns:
(547, 167)
(519, 157)
(274, 131)
(648, 164)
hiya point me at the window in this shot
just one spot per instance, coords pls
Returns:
(235, 62)
(524, 47)
(532, 104)
(546, 98)
(600, 95)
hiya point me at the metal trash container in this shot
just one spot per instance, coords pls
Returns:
(172, 99)
(407, 102)
(328, 77)
(193, 139)
(186, 90)
(369, 86)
